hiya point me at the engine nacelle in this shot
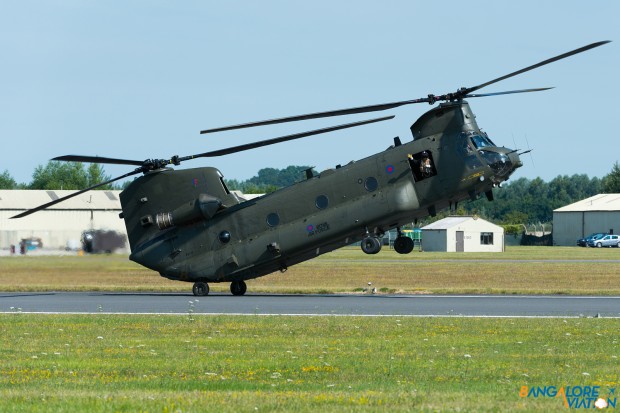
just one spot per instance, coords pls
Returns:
(204, 207)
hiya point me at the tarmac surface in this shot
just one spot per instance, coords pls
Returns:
(328, 305)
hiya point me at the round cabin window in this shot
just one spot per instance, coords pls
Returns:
(273, 219)
(321, 202)
(371, 184)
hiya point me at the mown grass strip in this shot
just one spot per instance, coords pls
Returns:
(520, 270)
(277, 363)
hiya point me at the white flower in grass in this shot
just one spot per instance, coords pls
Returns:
(600, 403)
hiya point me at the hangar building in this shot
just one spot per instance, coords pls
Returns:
(599, 213)
(60, 226)
(463, 234)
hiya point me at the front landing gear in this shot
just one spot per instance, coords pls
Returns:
(403, 245)
(200, 289)
(238, 287)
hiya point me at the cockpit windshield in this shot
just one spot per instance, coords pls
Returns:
(480, 141)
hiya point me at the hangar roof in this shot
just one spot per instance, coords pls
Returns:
(600, 202)
(22, 199)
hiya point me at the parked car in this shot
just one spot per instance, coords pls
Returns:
(605, 241)
(583, 242)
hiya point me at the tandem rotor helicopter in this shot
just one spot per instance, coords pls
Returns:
(187, 225)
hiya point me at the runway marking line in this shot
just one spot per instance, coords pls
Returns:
(309, 315)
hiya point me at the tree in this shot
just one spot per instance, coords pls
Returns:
(611, 182)
(7, 181)
(96, 175)
(515, 217)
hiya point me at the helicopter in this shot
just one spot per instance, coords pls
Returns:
(188, 226)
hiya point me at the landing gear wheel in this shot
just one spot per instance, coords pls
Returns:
(238, 287)
(371, 245)
(403, 245)
(200, 289)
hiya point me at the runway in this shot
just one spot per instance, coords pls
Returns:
(332, 305)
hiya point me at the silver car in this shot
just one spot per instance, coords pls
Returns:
(605, 241)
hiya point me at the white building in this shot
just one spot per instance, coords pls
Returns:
(463, 234)
(62, 224)
(599, 213)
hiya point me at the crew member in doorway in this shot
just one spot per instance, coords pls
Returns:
(425, 165)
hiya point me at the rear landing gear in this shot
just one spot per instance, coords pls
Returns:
(238, 287)
(200, 289)
(371, 245)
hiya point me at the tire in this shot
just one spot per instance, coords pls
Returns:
(599, 245)
(371, 245)
(200, 289)
(403, 245)
(238, 288)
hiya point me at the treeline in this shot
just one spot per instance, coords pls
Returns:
(269, 179)
(521, 201)
(524, 201)
(60, 175)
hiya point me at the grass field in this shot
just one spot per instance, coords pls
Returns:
(519, 270)
(302, 364)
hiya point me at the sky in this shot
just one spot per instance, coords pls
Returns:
(140, 79)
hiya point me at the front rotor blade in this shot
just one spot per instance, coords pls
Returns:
(97, 159)
(259, 144)
(479, 95)
(339, 112)
(384, 106)
(467, 91)
(64, 198)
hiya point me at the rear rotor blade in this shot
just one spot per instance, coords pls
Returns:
(64, 198)
(97, 159)
(259, 144)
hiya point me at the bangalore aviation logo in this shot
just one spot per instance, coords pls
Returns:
(574, 397)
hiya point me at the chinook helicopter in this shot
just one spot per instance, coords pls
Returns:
(187, 225)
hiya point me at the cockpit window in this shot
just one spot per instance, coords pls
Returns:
(480, 141)
(465, 149)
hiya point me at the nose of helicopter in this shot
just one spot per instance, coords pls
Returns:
(516, 161)
(502, 162)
